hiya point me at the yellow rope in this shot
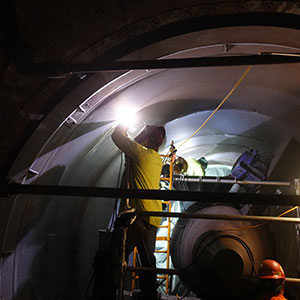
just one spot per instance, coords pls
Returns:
(203, 124)
(259, 224)
(287, 211)
(219, 106)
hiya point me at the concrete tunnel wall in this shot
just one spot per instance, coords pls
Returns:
(52, 240)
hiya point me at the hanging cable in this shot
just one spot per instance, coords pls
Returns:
(220, 105)
(287, 211)
(115, 213)
(257, 225)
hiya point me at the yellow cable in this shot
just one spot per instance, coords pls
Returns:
(219, 106)
(260, 224)
(203, 124)
(287, 211)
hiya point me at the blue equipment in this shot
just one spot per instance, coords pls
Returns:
(249, 167)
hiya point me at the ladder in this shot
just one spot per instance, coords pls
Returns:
(166, 238)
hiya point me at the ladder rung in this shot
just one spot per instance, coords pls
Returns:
(165, 178)
(162, 276)
(163, 226)
(162, 238)
(161, 251)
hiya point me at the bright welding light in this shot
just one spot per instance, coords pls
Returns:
(127, 116)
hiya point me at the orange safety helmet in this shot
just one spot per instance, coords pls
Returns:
(271, 269)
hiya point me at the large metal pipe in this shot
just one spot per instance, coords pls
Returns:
(219, 259)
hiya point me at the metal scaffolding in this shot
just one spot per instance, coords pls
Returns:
(7, 189)
(220, 217)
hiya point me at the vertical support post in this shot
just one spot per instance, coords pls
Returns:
(297, 190)
(123, 264)
(297, 186)
(172, 161)
(134, 275)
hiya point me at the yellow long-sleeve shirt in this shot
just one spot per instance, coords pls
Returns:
(143, 172)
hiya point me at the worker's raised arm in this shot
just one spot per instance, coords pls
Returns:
(124, 143)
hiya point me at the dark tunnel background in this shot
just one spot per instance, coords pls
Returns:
(57, 130)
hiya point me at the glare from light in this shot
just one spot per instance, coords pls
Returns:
(127, 116)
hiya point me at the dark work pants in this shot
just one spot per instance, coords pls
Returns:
(142, 235)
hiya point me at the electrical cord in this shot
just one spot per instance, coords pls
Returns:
(287, 211)
(260, 224)
(220, 105)
(114, 215)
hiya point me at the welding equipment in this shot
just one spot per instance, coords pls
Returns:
(250, 167)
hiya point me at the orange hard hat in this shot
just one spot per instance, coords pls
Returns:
(271, 269)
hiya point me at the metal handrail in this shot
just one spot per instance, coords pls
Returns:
(219, 217)
(230, 181)
(7, 189)
(146, 270)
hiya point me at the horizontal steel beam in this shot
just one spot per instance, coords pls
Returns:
(144, 270)
(292, 280)
(230, 181)
(102, 192)
(53, 69)
(219, 217)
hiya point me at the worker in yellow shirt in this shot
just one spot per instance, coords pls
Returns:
(142, 171)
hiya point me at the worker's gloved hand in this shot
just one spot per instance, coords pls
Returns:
(125, 218)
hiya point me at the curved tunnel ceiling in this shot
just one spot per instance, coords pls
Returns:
(260, 114)
(72, 144)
